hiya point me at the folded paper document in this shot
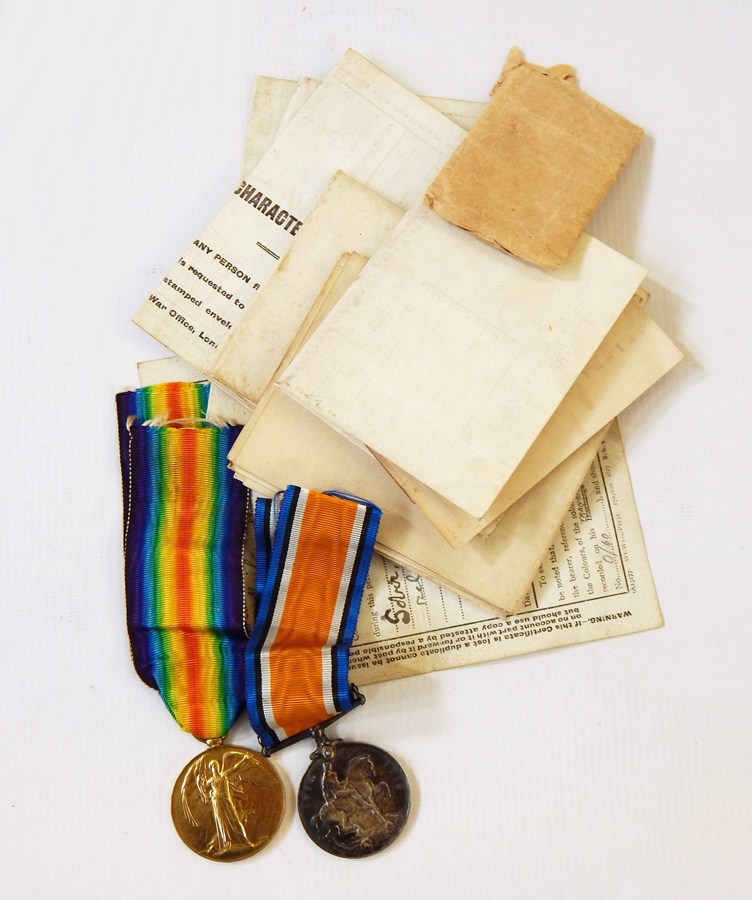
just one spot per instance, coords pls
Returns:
(283, 441)
(447, 357)
(634, 355)
(360, 121)
(349, 218)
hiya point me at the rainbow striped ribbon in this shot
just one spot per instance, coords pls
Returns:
(185, 528)
(309, 583)
(169, 400)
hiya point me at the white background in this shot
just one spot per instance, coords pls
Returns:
(620, 769)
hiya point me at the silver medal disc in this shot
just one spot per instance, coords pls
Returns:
(354, 799)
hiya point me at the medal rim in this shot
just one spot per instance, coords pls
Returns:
(217, 750)
(405, 809)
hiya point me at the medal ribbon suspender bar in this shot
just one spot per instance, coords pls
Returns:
(311, 569)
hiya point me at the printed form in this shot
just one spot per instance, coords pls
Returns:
(594, 582)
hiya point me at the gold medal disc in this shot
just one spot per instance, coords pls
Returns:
(227, 803)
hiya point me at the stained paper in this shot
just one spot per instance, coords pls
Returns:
(533, 170)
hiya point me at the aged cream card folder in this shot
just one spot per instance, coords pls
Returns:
(447, 357)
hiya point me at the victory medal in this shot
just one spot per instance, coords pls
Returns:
(185, 538)
(227, 803)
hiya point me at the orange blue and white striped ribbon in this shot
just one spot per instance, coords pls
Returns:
(313, 553)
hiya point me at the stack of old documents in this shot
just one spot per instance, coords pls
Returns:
(402, 304)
